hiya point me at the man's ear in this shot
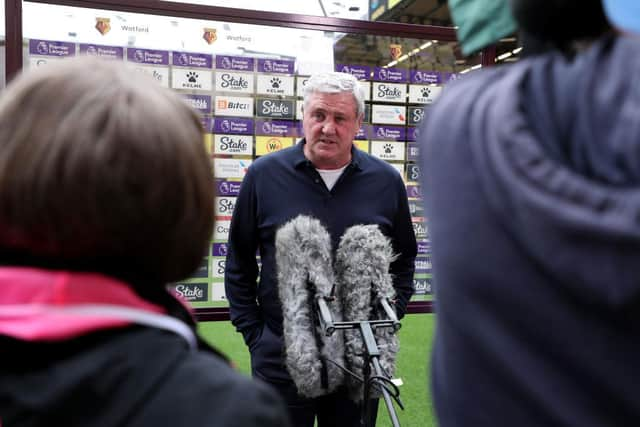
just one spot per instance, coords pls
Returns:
(360, 119)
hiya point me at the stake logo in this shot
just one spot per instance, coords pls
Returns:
(194, 292)
(275, 108)
(234, 82)
(390, 92)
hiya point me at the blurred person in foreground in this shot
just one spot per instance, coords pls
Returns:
(532, 189)
(105, 198)
(324, 175)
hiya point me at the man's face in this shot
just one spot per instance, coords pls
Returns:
(330, 123)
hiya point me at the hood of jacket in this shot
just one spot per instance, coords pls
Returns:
(69, 340)
(558, 153)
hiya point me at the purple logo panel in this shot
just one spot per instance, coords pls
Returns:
(276, 127)
(237, 126)
(414, 191)
(51, 48)
(364, 132)
(424, 247)
(413, 134)
(227, 188)
(389, 133)
(361, 72)
(276, 66)
(198, 60)
(110, 52)
(226, 62)
(447, 77)
(219, 249)
(202, 103)
(207, 124)
(425, 77)
(148, 56)
(390, 75)
(423, 265)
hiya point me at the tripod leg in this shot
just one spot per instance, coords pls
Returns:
(366, 413)
(385, 394)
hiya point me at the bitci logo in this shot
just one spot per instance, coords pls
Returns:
(234, 106)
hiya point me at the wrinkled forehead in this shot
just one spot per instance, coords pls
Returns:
(343, 103)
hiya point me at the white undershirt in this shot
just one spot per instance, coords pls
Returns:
(330, 176)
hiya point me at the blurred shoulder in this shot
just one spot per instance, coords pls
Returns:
(206, 390)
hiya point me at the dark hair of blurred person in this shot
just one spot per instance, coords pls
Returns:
(106, 196)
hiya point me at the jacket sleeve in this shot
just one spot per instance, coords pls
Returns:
(404, 244)
(241, 268)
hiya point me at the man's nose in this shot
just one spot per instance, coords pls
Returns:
(329, 127)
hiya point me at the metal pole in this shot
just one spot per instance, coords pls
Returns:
(13, 38)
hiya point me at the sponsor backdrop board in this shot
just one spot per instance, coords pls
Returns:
(252, 107)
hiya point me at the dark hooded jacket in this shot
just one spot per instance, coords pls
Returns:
(532, 188)
(69, 358)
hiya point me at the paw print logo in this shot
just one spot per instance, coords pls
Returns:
(192, 76)
(388, 148)
(276, 82)
(425, 91)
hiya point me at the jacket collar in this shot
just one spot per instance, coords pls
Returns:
(300, 160)
(50, 305)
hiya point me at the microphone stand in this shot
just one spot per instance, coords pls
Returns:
(366, 328)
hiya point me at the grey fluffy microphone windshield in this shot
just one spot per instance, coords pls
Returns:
(363, 279)
(305, 272)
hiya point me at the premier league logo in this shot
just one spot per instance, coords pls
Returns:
(268, 66)
(103, 25)
(225, 126)
(183, 59)
(42, 48)
(138, 55)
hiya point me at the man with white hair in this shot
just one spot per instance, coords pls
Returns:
(327, 177)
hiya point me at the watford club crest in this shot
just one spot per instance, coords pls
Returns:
(210, 35)
(103, 26)
(395, 50)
